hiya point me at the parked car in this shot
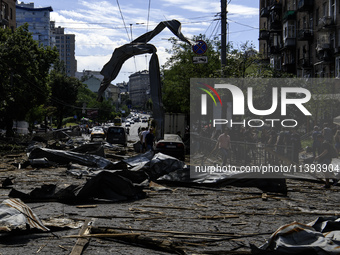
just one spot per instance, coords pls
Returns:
(97, 132)
(116, 135)
(171, 145)
(127, 124)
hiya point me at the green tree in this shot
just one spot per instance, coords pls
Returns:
(106, 109)
(24, 69)
(64, 92)
(178, 70)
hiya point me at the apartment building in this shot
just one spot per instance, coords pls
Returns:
(65, 44)
(139, 86)
(7, 14)
(301, 36)
(38, 20)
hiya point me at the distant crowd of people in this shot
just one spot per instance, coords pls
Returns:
(285, 142)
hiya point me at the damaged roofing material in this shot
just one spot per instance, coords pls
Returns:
(15, 215)
(318, 237)
(137, 47)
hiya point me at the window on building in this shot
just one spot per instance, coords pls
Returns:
(304, 22)
(264, 48)
(332, 40)
(337, 67)
(289, 29)
(311, 24)
(332, 9)
(324, 10)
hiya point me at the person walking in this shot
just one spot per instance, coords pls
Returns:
(325, 158)
(224, 145)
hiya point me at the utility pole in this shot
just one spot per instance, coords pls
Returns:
(223, 34)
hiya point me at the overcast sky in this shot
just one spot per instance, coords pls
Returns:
(99, 26)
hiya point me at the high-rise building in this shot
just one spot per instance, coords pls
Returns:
(38, 20)
(7, 14)
(65, 44)
(139, 86)
(301, 36)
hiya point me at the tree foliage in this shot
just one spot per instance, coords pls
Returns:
(24, 68)
(178, 70)
(64, 92)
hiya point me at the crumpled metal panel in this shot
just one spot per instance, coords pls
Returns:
(137, 47)
(15, 215)
(321, 236)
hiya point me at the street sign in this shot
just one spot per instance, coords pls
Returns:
(200, 60)
(200, 47)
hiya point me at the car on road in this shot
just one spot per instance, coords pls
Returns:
(116, 135)
(171, 145)
(97, 132)
(127, 124)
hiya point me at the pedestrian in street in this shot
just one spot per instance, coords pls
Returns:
(141, 138)
(327, 133)
(316, 144)
(149, 140)
(144, 133)
(224, 145)
(325, 158)
(337, 141)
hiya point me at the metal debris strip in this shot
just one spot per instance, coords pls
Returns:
(140, 46)
(14, 214)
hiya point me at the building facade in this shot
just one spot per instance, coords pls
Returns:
(65, 44)
(139, 86)
(301, 36)
(38, 20)
(8, 14)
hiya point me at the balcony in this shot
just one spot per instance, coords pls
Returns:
(289, 43)
(305, 35)
(305, 63)
(289, 67)
(289, 15)
(275, 25)
(325, 55)
(274, 50)
(326, 22)
(264, 12)
(323, 46)
(275, 5)
(4, 19)
(305, 5)
(264, 35)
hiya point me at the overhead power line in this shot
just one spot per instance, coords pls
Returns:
(147, 23)
(121, 14)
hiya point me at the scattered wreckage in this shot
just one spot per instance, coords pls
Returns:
(107, 174)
